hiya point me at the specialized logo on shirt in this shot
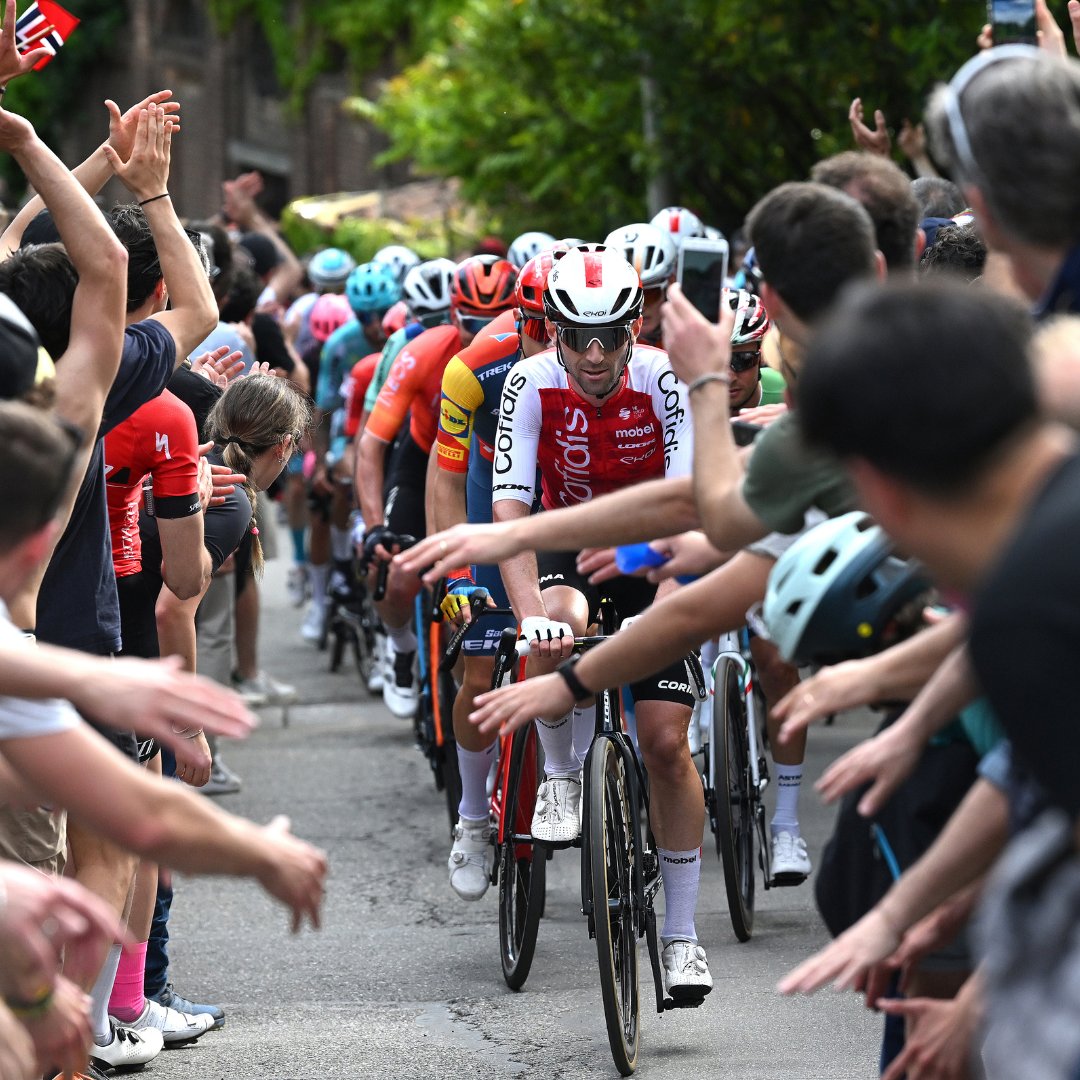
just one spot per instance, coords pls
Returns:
(674, 413)
(453, 419)
(576, 456)
(161, 443)
(504, 439)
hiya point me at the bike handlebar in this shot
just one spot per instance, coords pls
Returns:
(477, 609)
(382, 575)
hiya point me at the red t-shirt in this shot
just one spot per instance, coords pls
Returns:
(159, 440)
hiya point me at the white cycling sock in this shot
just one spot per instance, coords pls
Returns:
(99, 998)
(341, 544)
(318, 575)
(402, 638)
(786, 818)
(474, 766)
(557, 739)
(681, 871)
(584, 730)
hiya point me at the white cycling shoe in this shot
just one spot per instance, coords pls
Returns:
(557, 817)
(685, 971)
(401, 692)
(790, 861)
(471, 859)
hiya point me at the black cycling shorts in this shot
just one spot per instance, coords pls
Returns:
(403, 511)
(138, 595)
(631, 596)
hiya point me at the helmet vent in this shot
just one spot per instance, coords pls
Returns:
(826, 560)
(566, 302)
(867, 587)
(620, 300)
(793, 607)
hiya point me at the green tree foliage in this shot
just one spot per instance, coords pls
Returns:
(536, 104)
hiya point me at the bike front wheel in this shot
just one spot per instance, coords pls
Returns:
(613, 853)
(733, 799)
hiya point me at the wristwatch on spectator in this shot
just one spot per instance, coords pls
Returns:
(569, 676)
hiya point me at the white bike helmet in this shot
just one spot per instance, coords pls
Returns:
(649, 251)
(839, 592)
(527, 246)
(399, 258)
(678, 223)
(592, 285)
(427, 287)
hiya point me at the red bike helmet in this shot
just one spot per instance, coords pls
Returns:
(483, 285)
(531, 283)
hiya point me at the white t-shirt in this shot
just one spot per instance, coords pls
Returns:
(21, 717)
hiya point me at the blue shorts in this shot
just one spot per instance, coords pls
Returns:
(482, 637)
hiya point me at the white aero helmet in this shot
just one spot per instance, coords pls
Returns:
(678, 223)
(426, 287)
(399, 258)
(592, 285)
(839, 592)
(649, 251)
(713, 233)
(527, 246)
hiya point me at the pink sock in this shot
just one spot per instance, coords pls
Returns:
(127, 1001)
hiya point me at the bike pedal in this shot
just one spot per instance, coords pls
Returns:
(781, 881)
(684, 1002)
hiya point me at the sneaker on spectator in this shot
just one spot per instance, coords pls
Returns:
(685, 970)
(129, 1049)
(400, 691)
(790, 860)
(172, 1000)
(377, 679)
(312, 627)
(223, 781)
(175, 1027)
(264, 690)
(557, 816)
(297, 584)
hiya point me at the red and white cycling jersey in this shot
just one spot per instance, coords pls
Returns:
(641, 432)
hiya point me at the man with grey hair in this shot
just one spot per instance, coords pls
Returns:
(1008, 127)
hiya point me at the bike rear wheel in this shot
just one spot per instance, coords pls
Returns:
(522, 866)
(613, 853)
(733, 798)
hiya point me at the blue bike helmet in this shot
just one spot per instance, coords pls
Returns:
(328, 269)
(372, 287)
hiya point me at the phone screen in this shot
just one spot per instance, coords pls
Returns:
(702, 272)
(1012, 20)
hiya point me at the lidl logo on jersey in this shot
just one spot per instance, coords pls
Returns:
(453, 419)
(161, 445)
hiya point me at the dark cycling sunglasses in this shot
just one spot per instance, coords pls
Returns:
(473, 324)
(579, 338)
(534, 328)
(744, 361)
(433, 318)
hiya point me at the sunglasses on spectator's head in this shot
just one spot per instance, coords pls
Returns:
(744, 361)
(959, 83)
(609, 338)
(534, 328)
(473, 324)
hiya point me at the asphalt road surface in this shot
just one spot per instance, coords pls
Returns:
(403, 980)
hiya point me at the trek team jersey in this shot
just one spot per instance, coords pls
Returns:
(158, 440)
(343, 348)
(414, 386)
(394, 344)
(472, 387)
(356, 388)
(641, 432)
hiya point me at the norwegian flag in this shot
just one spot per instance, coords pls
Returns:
(36, 18)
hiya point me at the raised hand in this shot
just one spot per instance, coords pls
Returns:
(123, 127)
(146, 172)
(694, 345)
(12, 62)
(876, 141)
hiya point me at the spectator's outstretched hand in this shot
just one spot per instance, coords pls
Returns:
(18, 1059)
(123, 127)
(12, 62)
(220, 365)
(294, 872)
(146, 172)
(876, 141)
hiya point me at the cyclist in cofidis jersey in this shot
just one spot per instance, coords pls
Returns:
(469, 414)
(599, 413)
(482, 287)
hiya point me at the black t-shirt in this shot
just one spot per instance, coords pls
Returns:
(224, 527)
(77, 605)
(1025, 638)
(270, 345)
(198, 393)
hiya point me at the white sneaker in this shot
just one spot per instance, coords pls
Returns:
(377, 679)
(174, 1027)
(400, 691)
(685, 970)
(129, 1048)
(557, 817)
(312, 627)
(264, 690)
(297, 584)
(790, 861)
(223, 781)
(471, 859)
